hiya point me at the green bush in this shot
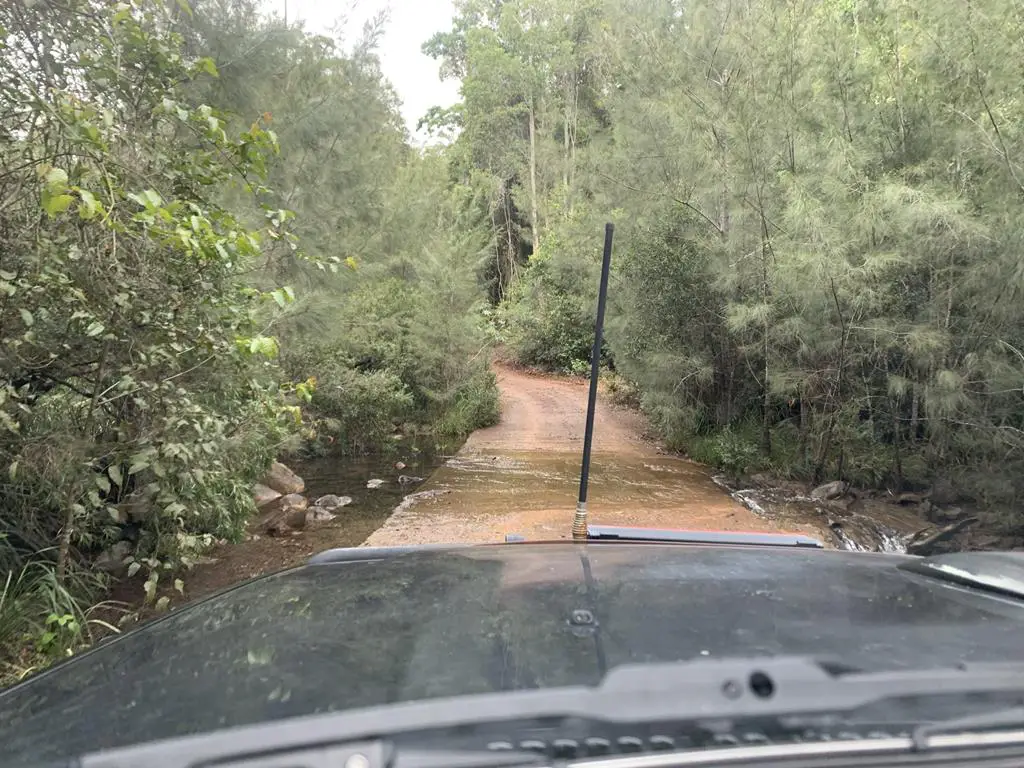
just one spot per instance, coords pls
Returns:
(549, 330)
(475, 405)
(734, 453)
(361, 409)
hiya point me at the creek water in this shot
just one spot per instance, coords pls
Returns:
(477, 496)
(348, 476)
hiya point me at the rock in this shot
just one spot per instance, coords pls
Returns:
(286, 512)
(828, 491)
(263, 495)
(330, 502)
(113, 560)
(409, 479)
(932, 542)
(375, 483)
(283, 480)
(318, 515)
(943, 492)
(399, 465)
(910, 499)
(945, 515)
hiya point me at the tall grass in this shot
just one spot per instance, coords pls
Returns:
(43, 618)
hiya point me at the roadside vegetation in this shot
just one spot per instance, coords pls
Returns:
(216, 246)
(819, 219)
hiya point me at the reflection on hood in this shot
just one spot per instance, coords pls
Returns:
(441, 623)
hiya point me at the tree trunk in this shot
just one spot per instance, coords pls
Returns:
(766, 425)
(897, 459)
(534, 216)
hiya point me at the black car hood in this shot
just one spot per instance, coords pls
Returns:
(343, 635)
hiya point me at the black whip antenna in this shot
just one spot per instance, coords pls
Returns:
(579, 522)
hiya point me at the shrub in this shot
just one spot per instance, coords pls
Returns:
(475, 405)
(362, 409)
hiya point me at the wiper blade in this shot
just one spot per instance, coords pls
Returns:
(733, 538)
(1003, 725)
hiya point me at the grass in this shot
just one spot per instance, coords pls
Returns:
(43, 619)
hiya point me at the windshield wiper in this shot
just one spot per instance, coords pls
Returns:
(731, 692)
(1003, 726)
(732, 538)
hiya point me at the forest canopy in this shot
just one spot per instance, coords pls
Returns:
(819, 222)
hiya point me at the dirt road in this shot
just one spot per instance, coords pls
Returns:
(521, 476)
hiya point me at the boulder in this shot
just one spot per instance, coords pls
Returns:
(829, 491)
(943, 492)
(264, 495)
(286, 512)
(283, 480)
(330, 502)
(932, 541)
(318, 515)
(375, 483)
(945, 514)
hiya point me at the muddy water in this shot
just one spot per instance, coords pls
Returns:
(481, 497)
(478, 496)
(348, 476)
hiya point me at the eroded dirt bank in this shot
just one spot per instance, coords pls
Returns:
(521, 476)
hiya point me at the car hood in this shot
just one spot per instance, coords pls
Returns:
(342, 635)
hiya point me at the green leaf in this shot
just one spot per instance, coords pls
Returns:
(264, 345)
(26, 317)
(138, 465)
(95, 329)
(102, 483)
(115, 474)
(89, 207)
(179, 585)
(133, 569)
(55, 204)
(150, 586)
(206, 65)
(56, 179)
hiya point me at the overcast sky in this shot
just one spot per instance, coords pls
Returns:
(413, 75)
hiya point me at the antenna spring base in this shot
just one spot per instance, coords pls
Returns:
(579, 521)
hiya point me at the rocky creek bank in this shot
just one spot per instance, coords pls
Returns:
(924, 523)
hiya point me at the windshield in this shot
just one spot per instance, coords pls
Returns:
(336, 637)
(279, 277)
